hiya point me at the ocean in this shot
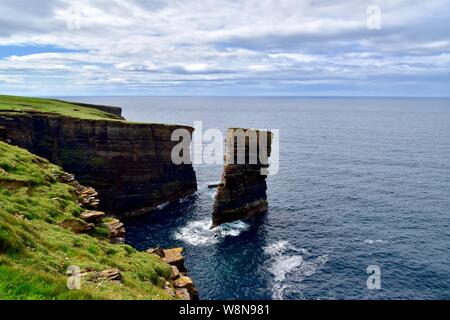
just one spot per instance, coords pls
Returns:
(362, 182)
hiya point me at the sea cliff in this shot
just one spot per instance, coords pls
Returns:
(129, 164)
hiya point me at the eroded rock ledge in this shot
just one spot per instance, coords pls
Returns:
(242, 191)
(182, 286)
(179, 286)
(91, 218)
(129, 164)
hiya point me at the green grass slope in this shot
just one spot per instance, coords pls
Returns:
(13, 104)
(35, 251)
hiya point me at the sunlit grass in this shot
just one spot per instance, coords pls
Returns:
(13, 104)
(35, 251)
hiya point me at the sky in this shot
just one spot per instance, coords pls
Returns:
(225, 47)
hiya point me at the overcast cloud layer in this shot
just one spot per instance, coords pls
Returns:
(218, 47)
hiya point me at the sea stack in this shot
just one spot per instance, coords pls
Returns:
(242, 192)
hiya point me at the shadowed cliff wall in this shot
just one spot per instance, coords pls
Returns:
(128, 164)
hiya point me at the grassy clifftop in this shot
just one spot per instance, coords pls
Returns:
(35, 251)
(13, 104)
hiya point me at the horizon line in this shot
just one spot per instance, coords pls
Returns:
(238, 96)
(224, 96)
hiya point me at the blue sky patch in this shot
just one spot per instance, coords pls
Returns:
(7, 51)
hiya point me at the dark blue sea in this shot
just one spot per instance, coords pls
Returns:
(362, 181)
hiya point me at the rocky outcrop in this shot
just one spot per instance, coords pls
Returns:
(116, 231)
(77, 225)
(174, 257)
(129, 164)
(92, 216)
(242, 192)
(105, 275)
(87, 196)
(111, 275)
(89, 219)
(182, 287)
(183, 284)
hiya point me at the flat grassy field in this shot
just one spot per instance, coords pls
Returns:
(13, 104)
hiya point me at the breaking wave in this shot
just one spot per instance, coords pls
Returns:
(285, 259)
(369, 241)
(197, 233)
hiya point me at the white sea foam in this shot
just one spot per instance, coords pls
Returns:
(197, 233)
(284, 265)
(162, 206)
(183, 200)
(369, 241)
(285, 259)
(277, 248)
(203, 186)
(278, 290)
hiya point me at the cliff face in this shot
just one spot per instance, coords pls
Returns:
(242, 192)
(128, 164)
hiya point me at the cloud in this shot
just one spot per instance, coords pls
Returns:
(248, 47)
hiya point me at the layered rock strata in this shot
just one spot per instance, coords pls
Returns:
(242, 192)
(129, 164)
(90, 218)
(182, 287)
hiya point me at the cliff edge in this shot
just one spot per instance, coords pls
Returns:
(129, 164)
